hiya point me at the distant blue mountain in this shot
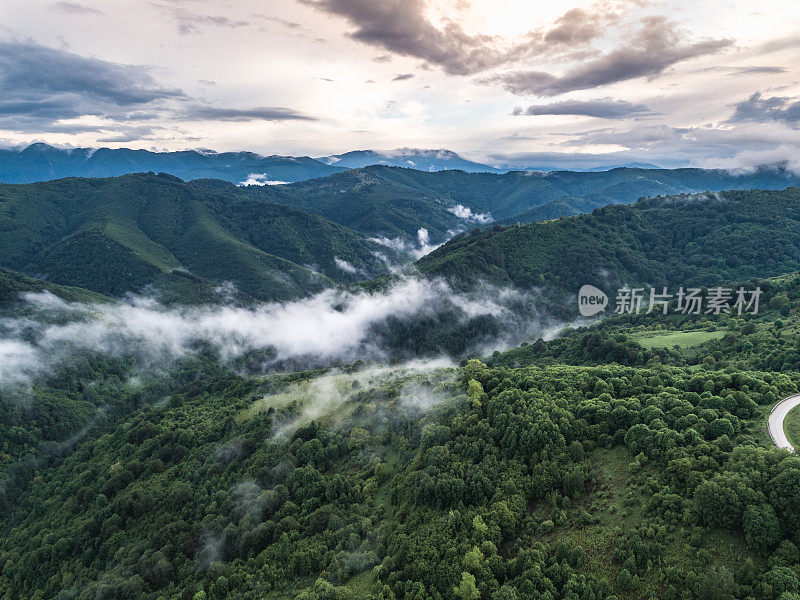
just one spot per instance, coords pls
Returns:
(598, 169)
(40, 162)
(415, 158)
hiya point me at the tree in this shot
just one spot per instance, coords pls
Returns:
(719, 427)
(627, 582)
(717, 584)
(781, 580)
(761, 527)
(505, 592)
(466, 590)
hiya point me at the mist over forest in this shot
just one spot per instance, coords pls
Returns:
(399, 300)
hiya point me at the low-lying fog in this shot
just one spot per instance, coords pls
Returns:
(332, 326)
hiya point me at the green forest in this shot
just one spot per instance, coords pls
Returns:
(689, 240)
(623, 458)
(122, 234)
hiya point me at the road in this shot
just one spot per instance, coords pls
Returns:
(775, 423)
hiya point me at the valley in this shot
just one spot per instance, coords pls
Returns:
(449, 426)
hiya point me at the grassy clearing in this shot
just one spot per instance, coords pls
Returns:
(682, 339)
(791, 426)
(614, 502)
(328, 390)
(292, 591)
(134, 238)
(617, 503)
(361, 585)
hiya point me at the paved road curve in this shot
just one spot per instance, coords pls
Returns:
(776, 418)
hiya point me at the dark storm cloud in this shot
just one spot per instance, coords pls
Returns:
(602, 109)
(757, 70)
(39, 85)
(73, 8)
(262, 113)
(31, 72)
(759, 109)
(401, 27)
(656, 47)
(739, 71)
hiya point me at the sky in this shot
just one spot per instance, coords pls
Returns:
(506, 82)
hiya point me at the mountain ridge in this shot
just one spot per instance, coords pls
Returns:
(120, 234)
(41, 162)
(509, 194)
(685, 240)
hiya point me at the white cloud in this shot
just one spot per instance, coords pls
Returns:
(465, 212)
(332, 325)
(415, 249)
(260, 179)
(749, 160)
(344, 265)
(327, 396)
(19, 361)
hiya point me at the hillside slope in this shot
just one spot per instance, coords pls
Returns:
(119, 234)
(512, 193)
(12, 284)
(395, 201)
(681, 240)
(369, 200)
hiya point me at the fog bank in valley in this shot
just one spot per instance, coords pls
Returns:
(332, 326)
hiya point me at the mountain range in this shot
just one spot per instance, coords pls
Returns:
(391, 201)
(41, 162)
(120, 234)
(266, 451)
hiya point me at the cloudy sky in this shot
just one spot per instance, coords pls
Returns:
(570, 84)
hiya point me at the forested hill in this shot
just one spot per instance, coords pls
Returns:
(381, 199)
(13, 284)
(369, 200)
(120, 234)
(679, 240)
(532, 479)
(518, 191)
